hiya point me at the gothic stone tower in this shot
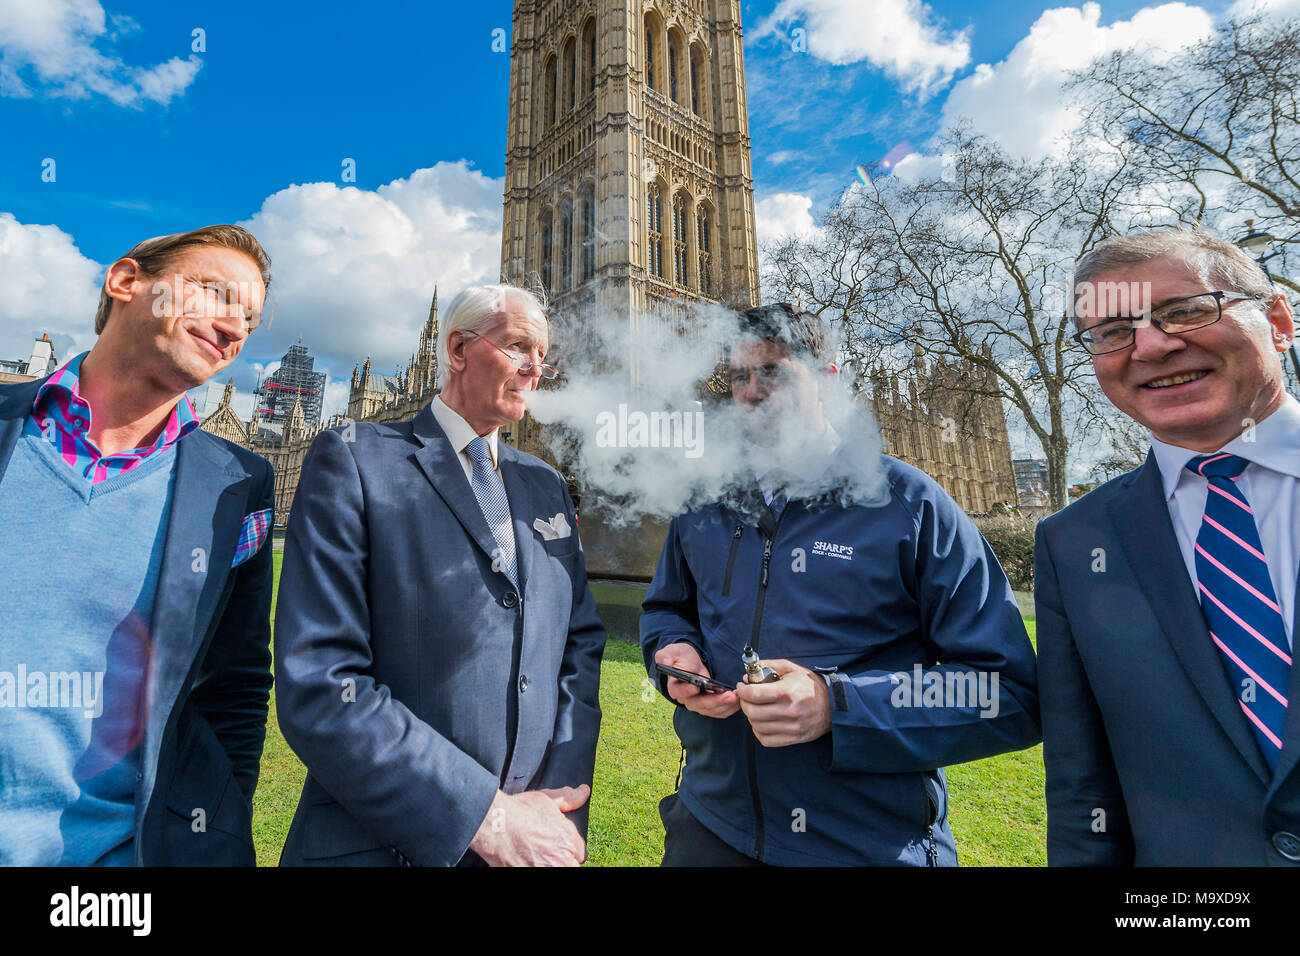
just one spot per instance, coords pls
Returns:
(628, 179)
(629, 191)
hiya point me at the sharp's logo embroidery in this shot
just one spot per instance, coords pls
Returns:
(828, 549)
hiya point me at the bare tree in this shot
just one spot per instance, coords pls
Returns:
(970, 266)
(1216, 128)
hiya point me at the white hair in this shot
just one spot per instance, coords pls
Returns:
(478, 308)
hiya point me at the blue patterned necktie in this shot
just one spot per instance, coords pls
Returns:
(1239, 603)
(491, 495)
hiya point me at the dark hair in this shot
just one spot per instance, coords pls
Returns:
(802, 333)
(155, 255)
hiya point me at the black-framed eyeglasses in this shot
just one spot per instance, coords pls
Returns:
(522, 362)
(1173, 318)
(769, 373)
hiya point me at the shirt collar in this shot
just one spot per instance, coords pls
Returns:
(66, 381)
(65, 378)
(1274, 444)
(460, 432)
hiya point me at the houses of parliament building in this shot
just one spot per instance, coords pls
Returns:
(629, 195)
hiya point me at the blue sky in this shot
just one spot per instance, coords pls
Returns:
(149, 137)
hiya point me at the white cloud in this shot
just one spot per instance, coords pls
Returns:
(63, 48)
(1273, 8)
(335, 401)
(901, 37)
(1020, 101)
(917, 166)
(353, 270)
(46, 285)
(781, 215)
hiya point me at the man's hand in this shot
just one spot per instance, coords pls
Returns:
(684, 657)
(792, 710)
(530, 829)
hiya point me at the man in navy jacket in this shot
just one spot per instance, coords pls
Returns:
(1166, 598)
(894, 632)
(437, 647)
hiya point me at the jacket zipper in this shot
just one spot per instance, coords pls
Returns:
(751, 743)
(931, 850)
(731, 560)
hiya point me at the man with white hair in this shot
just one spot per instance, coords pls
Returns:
(437, 647)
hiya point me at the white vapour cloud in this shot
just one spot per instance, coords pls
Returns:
(63, 48)
(1020, 101)
(353, 270)
(646, 445)
(901, 37)
(46, 285)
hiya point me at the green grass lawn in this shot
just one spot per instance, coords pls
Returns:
(997, 809)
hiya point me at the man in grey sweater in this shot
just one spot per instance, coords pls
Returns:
(134, 649)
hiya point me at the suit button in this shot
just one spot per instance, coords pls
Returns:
(511, 599)
(523, 685)
(1288, 844)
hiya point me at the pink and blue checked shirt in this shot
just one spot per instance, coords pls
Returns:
(62, 417)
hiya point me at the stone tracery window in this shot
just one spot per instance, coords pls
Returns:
(654, 232)
(679, 240)
(566, 246)
(703, 240)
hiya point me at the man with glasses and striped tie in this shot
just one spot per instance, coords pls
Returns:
(1167, 597)
(437, 647)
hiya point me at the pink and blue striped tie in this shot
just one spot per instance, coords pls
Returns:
(1239, 603)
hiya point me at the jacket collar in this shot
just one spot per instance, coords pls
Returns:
(15, 406)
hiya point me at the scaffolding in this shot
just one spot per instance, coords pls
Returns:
(294, 380)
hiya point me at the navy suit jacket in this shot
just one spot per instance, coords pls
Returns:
(413, 680)
(210, 670)
(1149, 757)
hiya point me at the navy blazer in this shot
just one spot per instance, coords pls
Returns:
(210, 671)
(1150, 760)
(413, 680)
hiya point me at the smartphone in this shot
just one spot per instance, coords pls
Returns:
(706, 684)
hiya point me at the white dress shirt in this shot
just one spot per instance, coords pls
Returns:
(1271, 483)
(460, 433)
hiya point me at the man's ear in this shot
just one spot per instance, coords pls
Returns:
(456, 345)
(121, 279)
(1282, 319)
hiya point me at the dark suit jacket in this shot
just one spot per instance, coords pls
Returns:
(210, 672)
(412, 679)
(1150, 759)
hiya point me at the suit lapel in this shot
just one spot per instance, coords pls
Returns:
(1146, 531)
(15, 406)
(520, 495)
(442, 467)
(203, 525)
(1291, 730)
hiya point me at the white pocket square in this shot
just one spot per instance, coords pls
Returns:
(554, 529)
